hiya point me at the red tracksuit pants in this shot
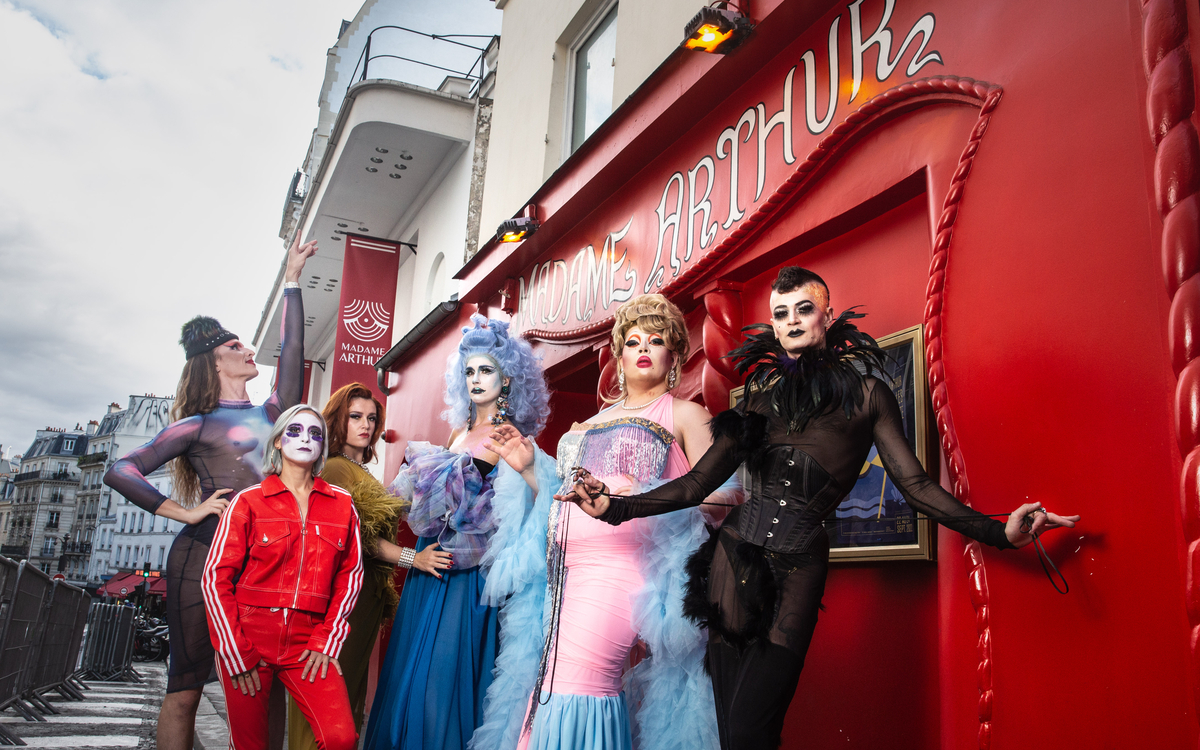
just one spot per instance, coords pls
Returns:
(281, 635)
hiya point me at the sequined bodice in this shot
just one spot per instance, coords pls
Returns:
(632, 446)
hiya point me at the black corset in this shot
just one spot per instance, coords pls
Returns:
(790, 495)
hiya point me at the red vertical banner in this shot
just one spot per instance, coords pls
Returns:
(365, 311)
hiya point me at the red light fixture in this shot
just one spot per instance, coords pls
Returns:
(717, 30)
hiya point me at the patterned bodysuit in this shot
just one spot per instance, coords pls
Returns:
(225, 447)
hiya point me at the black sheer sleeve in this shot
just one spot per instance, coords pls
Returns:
(289, 379)
(717, 464)
(128, 474)
(921, 492)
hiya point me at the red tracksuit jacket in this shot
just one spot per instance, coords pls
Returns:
(264, 555)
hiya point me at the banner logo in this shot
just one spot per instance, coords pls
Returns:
(366, 321)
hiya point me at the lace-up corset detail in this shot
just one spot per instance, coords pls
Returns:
(790, 495)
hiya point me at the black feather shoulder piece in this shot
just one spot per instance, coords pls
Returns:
(816, 382)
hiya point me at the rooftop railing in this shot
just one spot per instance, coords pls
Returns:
(378, 49)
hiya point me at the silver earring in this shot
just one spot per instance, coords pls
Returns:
(671, 379)
(621, 378)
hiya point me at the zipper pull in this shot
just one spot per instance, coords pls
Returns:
(318, 529)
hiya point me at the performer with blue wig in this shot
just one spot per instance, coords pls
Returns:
(440, 658)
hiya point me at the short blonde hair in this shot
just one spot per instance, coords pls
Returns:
(653, 313)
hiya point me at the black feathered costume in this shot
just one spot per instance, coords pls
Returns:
(804, 431)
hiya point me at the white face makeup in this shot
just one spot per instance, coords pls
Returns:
(645, 358)
(483, 380)
(800, 317)
(303, 439)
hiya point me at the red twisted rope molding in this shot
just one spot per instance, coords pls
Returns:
(939, 397)
(1170, 105)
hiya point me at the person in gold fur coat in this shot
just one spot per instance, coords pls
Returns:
(355, 419)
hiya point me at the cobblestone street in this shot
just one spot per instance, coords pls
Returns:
(118, 714)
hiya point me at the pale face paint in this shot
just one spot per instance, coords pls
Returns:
(800, 318)
(483, 380)
(303, 439)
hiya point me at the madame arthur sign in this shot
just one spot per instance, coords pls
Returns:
(686, 213)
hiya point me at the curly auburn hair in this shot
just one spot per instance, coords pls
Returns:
(337, 415)
(653, 313)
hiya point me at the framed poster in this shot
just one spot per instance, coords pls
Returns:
(874, 522)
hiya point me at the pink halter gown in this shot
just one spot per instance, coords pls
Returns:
(595, 632)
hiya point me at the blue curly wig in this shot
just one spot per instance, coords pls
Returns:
(529, 396)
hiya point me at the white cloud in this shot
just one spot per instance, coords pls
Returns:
(145, 150)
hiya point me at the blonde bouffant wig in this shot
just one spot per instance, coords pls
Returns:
(653, 313)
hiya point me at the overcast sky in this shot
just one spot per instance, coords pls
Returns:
(145, 152)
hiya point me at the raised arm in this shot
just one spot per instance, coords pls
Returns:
(921, 492)
(289, 379)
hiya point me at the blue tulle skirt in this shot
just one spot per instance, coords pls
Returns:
(581, 722)
(438, 665)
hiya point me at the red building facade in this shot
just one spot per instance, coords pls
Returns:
(1017, 179)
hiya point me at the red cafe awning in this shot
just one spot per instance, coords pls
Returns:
(114, 585)
(129, 582)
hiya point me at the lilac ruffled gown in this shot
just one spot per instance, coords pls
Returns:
(440, 657)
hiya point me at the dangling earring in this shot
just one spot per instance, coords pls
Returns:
(501, 414)
(621, 378)
(671, 379)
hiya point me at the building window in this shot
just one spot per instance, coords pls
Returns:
(137, 555)
(68, 445)
(52, 520)
(124, 517)
(594, 60)
(141, 520)
(47, 547)
(161, 551)
(127, 551)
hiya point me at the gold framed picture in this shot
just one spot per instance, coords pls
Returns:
(873, 521)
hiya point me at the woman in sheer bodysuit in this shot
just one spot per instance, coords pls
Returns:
(221, 436)
(804, 432)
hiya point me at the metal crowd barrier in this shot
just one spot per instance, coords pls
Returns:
(41, 631)
(108, 652)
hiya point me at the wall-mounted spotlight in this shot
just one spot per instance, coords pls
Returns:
(520, 228)
(515, 230)
(717, 30)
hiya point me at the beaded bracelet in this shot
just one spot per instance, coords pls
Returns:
(408, 556)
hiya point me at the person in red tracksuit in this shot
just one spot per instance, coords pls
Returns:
(283, 573)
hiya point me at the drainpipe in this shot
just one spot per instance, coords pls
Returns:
(428, 324)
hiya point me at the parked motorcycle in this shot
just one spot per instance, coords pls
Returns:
(150, 640)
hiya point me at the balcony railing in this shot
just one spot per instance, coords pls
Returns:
(10, 550)
(46, 476)
(372, 51)
(77, 548)
(93, 458)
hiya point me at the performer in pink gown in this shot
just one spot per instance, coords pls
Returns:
(577, 595)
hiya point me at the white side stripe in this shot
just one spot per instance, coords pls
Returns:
(216, 611)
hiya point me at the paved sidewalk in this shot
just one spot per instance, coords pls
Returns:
(212, 721)
(111, 715)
